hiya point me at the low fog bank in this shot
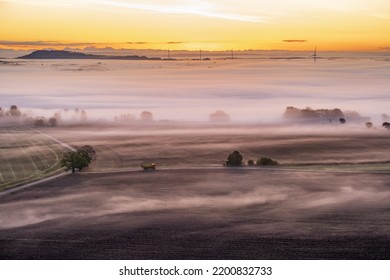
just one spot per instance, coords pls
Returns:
(247, 90)
(195, 55)
(177, 145)
(250, 202)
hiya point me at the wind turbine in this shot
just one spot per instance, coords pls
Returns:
(315, 54)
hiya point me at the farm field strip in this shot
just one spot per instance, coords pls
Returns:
(27, 155)
(6, 166)
(49, 162)
(27, 162)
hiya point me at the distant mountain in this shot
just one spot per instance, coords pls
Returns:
(54, 54)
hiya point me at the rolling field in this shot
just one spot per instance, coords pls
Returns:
(199, 214)
(26, 155)
(329, 198)
(318, 148)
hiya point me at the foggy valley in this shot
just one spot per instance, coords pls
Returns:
(327, 198)
(249, 90)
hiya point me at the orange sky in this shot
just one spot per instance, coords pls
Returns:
(348, 25)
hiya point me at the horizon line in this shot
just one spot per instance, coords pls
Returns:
(379, 50)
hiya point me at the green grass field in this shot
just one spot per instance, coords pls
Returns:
(26, 155)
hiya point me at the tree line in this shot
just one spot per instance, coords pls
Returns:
(12, 111)
(235, 159)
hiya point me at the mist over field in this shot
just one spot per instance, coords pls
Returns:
(327, 198)
(248, 90)
(174, 214)
(263, 203)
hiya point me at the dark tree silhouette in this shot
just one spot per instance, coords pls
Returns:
(342, 120)
(14, 111)
(87, 152)
(79, 159)
(251, 162)
(266, 161)
(39, 122)
(74, 160)
(309, 114)
(386, 125)
(234, 159)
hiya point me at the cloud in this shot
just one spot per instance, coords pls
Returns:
(55, 3)
(155, 43)
(204, 8)
(385, 48)
(294, 41)
(198, 8)
(137, 43)
(86, 46)
(43, 43)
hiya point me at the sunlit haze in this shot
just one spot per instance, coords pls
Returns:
(348, 25)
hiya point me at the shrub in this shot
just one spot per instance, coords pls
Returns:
(234, 159)
(266, 161)
(369, 124)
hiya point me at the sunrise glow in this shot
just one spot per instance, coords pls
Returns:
(346, 25)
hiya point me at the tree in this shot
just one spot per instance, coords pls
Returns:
(369, 124)
(266, 161)
(14, 111)
(219, 116)
(386, 125)
(234, 159)
(74, 160)
(251, 162)
(342, 120)
(87, 152)
(53, 122)
(39, 122)
(125, 118)
(146, 116)
(79, 159)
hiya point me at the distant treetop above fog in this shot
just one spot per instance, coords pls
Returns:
(315, 115)
(13, 111)
(146, 116)
(219, 116)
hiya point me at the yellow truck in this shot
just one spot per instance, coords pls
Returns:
(149, 166)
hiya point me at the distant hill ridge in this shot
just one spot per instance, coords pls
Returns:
(55, 54)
